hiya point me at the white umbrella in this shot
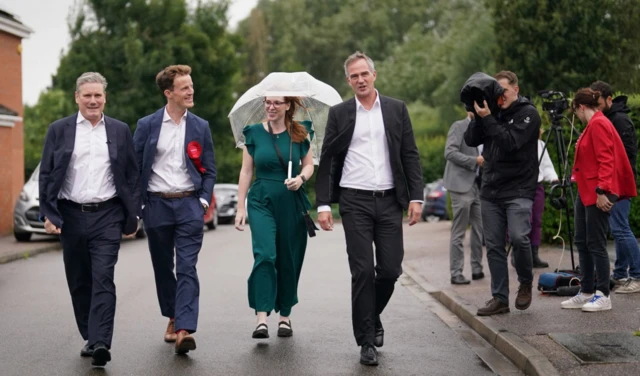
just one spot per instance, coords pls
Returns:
(316, 96)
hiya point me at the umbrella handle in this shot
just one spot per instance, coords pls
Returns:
(289, 170)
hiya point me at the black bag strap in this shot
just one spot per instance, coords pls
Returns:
(275, 145)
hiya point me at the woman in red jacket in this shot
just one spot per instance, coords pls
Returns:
(603, 174)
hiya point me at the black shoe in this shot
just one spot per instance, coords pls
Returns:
(477, 276)
(101, 355)
(459, 280)
(493, 307)
(284, 329)
(262, 331)
(86, 351)
(368, 355)
(378, 340)
(537, 263)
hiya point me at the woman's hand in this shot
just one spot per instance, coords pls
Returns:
(603, 203)
(293, 184)
(241, 218)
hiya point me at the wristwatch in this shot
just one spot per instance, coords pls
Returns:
(304, 180)
(600, 191)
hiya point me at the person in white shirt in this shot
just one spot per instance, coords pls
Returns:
(370, 165)
(89, 195)
(177, 172)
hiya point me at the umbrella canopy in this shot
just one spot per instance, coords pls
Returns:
(317, 97)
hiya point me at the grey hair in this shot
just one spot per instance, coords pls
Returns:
(357, 56)
(91, 78)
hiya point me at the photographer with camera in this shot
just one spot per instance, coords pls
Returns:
(603, 174)
(509, 183)
(626, 271)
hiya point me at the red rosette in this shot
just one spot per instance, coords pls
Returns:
(194, 151)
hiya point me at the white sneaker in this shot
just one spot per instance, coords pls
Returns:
(577, 301)
(629, 287)
(599, 302)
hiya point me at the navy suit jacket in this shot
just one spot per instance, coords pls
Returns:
(145, 140)
(58, 148)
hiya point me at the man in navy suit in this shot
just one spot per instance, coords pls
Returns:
(177, 164)
(89, 195)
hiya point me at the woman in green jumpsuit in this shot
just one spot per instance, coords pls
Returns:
(275, 205)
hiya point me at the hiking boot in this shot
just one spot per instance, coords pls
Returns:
(523, 298)
(493, 307)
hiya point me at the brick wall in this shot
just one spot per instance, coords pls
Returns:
(11, 139)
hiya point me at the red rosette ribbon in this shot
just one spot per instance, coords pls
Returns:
(194, 151)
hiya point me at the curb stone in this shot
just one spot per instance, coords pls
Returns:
(524, 356)
(5, 259)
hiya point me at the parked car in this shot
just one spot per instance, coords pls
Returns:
(26, 213)
(226, 202)
(434, 207)
(211, 216)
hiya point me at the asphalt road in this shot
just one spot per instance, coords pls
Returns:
(39, 335)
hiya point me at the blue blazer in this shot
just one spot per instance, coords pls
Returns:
(58, 148)
(145, 140)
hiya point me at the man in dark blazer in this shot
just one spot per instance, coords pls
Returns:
(177, 169)
(89, 195)
(369, 165)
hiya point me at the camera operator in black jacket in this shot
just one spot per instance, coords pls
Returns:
(509, 182)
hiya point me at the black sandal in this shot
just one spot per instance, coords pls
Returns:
(262, 331)
(285, 331)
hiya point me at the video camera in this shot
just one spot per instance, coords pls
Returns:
(554, 102)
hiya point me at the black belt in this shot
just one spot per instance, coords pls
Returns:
(378, 194)
(91, 208)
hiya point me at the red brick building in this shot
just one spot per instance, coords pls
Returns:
(12, 31)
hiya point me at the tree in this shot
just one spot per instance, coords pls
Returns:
(564, 45)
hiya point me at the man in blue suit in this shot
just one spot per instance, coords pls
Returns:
(177, 164)
(89, 195)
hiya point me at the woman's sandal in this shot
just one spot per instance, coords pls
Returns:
(284, 329)
(262, 331)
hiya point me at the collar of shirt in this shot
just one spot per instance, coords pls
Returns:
(82, 119)
(360, 106)
(166, 116)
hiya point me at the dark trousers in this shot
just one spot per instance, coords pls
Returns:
(536, 216)
(176, 225)
(592, 226)
(368, 221)
(497, 217)
(90, 245)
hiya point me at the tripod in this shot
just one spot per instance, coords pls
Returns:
(566, 195)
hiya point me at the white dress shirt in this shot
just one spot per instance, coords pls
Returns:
(89, 178)
(546, 171)
(367, 165)
(169, 169)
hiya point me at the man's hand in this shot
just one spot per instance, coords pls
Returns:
(241, 218)
(603, 203)
(50, 228)
(482, 112)
(480, 160)
(415, 209)
(326, 220)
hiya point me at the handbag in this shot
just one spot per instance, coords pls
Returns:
(311, 226)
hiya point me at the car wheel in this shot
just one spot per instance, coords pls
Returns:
(214, 222)
(141, 234)
(22, 236)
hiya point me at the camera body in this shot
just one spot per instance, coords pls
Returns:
(554, 102)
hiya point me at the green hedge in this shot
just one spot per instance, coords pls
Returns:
(551, 217)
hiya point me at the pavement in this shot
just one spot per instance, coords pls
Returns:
(525, 337)
(12, 250)
(421, 336)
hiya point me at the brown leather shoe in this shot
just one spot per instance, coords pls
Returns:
(493, 307)
(523, 298)
(170, 334)
(185, 342)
